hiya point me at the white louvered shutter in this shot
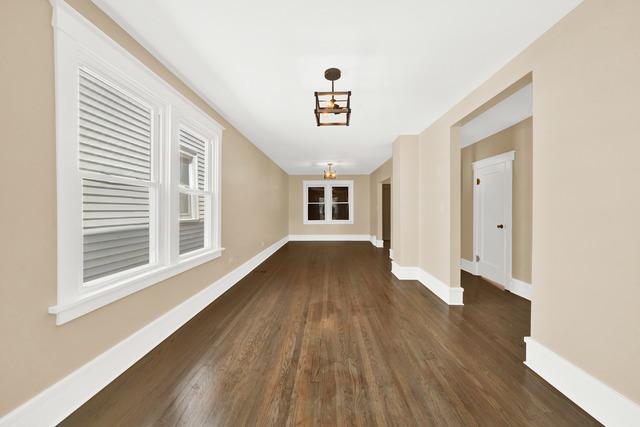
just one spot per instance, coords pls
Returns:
(193, 230)
(115, 153)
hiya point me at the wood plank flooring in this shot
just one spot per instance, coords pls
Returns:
(322, 334)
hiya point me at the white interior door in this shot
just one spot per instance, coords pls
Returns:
(492, 217)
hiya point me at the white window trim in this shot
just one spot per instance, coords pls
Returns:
(77, 42)
(327, 201)
(211, 191)
(194, 212)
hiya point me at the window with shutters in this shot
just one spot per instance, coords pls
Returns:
(328, 202)
(138, 171)
(188, 173)
(195, 190)
(115, 150)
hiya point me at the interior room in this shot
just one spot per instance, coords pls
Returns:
(496, 190)
(272, 213)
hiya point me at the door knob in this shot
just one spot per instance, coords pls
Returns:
(500, 226)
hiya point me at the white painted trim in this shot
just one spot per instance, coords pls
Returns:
(520, 288)
(329, 238)
(327, 185)
(106, 295)
(80, 44)
(62, 398)
(377, 243)
(515, 286)
(390, 253)
(108, 9)
(404, 273)
(452, 296)
(468, 266)
(507, 159)
(597, 398)
(508, 112)
(507, 156)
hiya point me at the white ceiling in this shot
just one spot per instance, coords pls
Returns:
(407, 62)
(511, 110)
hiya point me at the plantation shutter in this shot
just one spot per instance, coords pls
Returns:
(192, 232)
(115, 145)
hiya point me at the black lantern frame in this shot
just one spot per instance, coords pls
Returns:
(336, 103)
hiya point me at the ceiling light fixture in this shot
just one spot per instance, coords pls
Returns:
(327, 106)
(329, 173)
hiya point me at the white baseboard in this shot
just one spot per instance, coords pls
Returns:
(468, 266)
(598, 399)
(515, 286)
(520, 288)
(329, 238)
(404, 273)
(55, 403)
(391, 254)
(377, 243)
(452, 296)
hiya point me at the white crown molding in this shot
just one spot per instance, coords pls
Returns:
(55, 403)
(329, 238)
(71, 22)
(598, 399)
(452, 296)
(122, 23)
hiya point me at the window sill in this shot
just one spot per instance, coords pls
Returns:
(90, 301)
(328, 222)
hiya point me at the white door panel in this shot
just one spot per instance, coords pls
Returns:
(492, 211)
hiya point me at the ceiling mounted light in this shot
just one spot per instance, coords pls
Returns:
(333, 108)
(329, 173)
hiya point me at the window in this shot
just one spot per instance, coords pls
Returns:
(328, 202)
(138, 173)
(115, 141)
(195, 190)
(188, 173)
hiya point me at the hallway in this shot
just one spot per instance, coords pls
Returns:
(321, 334)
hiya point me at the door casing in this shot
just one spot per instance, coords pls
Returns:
(506, 159)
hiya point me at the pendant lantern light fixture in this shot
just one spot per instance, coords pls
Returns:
(333, 108)
(329, 173)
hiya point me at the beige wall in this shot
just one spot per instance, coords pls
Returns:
(585, 247)
(35, 352)
(382, 173)
(516, 138)
(404, 197)
(360, 206)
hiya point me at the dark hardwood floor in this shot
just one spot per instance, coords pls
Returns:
(322, 334)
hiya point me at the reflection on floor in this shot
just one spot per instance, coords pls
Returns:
(323, 334)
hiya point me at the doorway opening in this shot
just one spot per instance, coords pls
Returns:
(496, 152)
(386, 213)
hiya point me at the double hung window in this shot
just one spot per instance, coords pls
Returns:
(138, 173)
(328, 202)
